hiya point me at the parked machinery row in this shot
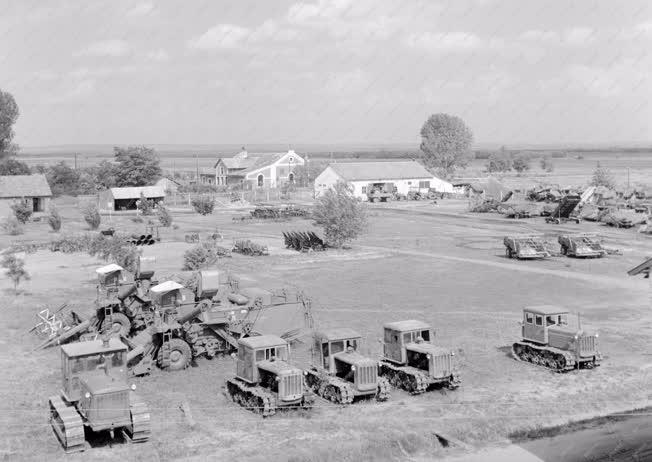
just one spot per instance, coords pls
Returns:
(581, 245)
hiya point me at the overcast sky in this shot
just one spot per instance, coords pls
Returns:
(341, 71)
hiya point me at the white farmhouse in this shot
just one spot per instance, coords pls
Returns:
(406, 175)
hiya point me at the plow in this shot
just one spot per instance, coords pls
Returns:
(303, 241)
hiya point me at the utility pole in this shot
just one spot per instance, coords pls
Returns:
(197, 167)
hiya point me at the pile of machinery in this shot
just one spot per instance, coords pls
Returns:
(248, 247)
(565, 210)
(525, 247)
(303, 241)
(272, 212)
(380, 192)
(549, 341)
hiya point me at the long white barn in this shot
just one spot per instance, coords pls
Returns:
(406, 175)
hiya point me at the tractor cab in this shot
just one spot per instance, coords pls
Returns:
(109, 279)
(409, 343)
(167, 295)
(337, 353)
(538, 319)
(263, 360)
(95, 378)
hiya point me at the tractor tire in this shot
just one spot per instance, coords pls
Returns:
(180, 354)
(117, 324)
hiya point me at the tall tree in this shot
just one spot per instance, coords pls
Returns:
(63, 179)
(137, 166)
(8, 115)
(446, 142)
(340, 214)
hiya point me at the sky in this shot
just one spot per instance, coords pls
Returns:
(326, 72)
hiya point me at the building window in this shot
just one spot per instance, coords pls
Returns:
(424, 184)
(261, 181)
(409, 183)
(291, 177)
(364, 190)
(291, 159)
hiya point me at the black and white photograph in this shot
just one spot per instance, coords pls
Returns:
(326, 230)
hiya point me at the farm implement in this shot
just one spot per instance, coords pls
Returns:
(581, 245)
(525, 247)
(303, 241)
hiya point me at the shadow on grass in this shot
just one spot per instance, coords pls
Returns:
(506, 350)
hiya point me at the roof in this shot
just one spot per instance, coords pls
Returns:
(546, 309)
(109, 269)
(262, 341)
(410, 324)
(133, 192)
(642, 268)
(340, 333)
(263, 161)
(401, 170)
(92, 347)
(24, 186)
(166, 286)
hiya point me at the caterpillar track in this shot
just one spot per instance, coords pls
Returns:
(140, 429)
(67, 425)
(332, 388)
(407, 378)
(551, 358)
(254, 398)
(384, 390)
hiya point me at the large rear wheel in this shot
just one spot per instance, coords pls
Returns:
(180, 354)
(117, 324)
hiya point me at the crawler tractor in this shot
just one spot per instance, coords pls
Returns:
(95, 394)
(411, 362)
(549, 341)
(265, 381)
(339, 373)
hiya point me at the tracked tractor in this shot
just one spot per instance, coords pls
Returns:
(265, 381)
(95, 394)
(549, 341)
(340, 373)
(412, 362)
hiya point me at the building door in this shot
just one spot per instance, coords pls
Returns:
(291, 177)
(261, 181)
(36, 204)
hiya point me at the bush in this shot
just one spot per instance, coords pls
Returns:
(198, 257)
(203, 205)
(144, 205)
(15, 269)
(54, 219)
(340, 214)
(602, 177)
(521, 163)
(499, 163)
(12, 226)
(546, 164)
(22, 211)
(164, 215)
(92, 215)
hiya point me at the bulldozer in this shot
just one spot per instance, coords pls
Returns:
(265, 380)
(209, 324)
(582, 245)
(340, 373)
(549, 341)
(95, 394)
(411, 361)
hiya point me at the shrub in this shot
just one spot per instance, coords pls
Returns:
(144, 205)
(92, 215)
(203, 205)
(54, 219)
(602, 177)
(521, 163)
(12, 226)
(198, 257)
(546, 164)
(499, 163)
(15, 269)
(22, 210)
(340, 214)
(164, 215)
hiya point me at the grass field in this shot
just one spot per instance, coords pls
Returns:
(424, 261)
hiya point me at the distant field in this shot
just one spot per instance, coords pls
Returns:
(568, 171)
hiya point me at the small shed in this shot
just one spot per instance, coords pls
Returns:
(33, 188)
(125, 198)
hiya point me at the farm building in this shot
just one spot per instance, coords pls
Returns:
(168, 185)
(255, 170)
(33, 188)
(405, 175)
(125, 198)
